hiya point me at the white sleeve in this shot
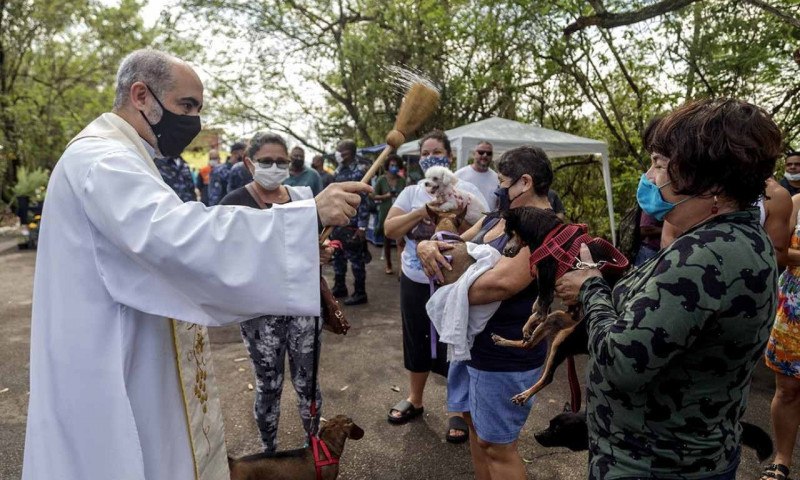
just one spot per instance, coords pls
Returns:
(476, 193)
(207, 265)
(404, 200)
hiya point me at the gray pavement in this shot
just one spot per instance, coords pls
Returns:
(358, 373)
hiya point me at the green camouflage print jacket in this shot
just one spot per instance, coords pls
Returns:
(672, 350)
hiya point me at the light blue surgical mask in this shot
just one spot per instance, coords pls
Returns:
(648, 194)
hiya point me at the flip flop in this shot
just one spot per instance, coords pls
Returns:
(770, 471)
(407, 412)
(457, 423)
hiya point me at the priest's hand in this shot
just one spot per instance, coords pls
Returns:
(337, 204)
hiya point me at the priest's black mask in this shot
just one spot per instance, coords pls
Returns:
(173, 132)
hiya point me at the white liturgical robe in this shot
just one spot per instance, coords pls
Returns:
(118, 253)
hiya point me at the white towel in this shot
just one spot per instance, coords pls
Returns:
(450, 312)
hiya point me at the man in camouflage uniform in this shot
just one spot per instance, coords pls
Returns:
(352, 236)
(177, 175)
(239, 175)
(218, 184)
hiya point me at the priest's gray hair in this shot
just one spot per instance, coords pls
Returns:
(152, 67)
(264, 138)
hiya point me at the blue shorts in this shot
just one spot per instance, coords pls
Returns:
(458, 387)
(495, 418)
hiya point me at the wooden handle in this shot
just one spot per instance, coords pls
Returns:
(365, 179)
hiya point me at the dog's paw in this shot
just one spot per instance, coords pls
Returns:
(519, 399)
(497, 339)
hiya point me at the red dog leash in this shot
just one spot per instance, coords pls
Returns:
(553, 246)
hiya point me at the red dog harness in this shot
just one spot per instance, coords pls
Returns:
(319, 462)
(553, 246)
(318, 444)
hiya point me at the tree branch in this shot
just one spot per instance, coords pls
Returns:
(603, 19)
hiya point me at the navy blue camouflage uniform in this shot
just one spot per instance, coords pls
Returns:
(238, 177)
(218, 183)
(355, 252)
(177, 175)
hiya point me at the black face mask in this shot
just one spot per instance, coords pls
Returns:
(173, 132)
(298, 164)
(503, 200)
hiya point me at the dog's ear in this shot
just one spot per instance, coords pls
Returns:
(354, 431)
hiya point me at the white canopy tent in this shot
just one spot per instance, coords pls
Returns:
(507, 134)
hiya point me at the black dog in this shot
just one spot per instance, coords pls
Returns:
(569, 430)
(566, 430)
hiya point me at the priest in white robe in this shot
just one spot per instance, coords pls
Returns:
(120, 254)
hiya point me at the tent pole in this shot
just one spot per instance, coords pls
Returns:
(609, 196)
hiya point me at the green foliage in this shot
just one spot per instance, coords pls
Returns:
(58, 60)
(507, 58)
(31, 183)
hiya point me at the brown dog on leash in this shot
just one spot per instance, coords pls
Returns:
(447, 226)
(566, 334)
(298, 464)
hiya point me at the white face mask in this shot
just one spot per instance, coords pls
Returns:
(270, 178)
(339, 158)
(793, 177)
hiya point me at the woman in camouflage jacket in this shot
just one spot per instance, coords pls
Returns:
(673, 346)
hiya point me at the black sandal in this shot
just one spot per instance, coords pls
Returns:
(407, 412)
(457, 423)
(782, 471)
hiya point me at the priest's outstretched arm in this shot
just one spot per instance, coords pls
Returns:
(211, 266)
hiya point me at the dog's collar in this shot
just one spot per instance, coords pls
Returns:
(318, 444)
(567, 260)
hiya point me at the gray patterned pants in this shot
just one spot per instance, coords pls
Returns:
(267, 339)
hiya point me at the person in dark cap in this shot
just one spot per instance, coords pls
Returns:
(239, 175)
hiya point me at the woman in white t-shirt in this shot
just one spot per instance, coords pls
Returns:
(409, 219)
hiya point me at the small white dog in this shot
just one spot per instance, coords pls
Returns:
(442, 184)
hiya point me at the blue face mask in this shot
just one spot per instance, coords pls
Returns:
(503, 199)
(394, 170)
(433, 161)
(648, 194)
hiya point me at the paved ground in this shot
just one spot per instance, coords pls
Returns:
(358, 373)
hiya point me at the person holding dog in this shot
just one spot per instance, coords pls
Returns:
(408, 218)
(120, 255)
(673, 346)
(495, 373)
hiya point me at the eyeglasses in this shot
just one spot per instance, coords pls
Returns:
(484, 153)
(267, 162)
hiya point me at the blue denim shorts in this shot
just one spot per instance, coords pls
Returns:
(458, 387)
(495, 418)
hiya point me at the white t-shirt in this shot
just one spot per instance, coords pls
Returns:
(412, 198)
(487, 182)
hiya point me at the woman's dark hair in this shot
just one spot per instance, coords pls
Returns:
(437, 135)
(649, 131)
(396, 158)
(263, 138)
(721, 146)
(531, 160)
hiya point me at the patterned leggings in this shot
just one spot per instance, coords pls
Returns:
(267, 339)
